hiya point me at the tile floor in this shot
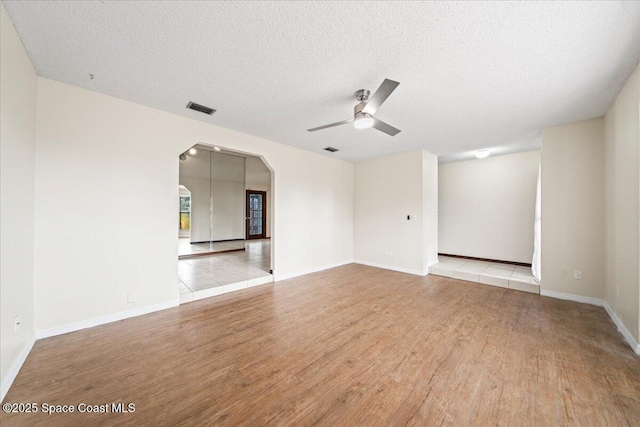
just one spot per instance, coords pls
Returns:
(212, 275)
(487, 273)
(185, 247)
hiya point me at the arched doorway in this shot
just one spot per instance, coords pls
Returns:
(229, 244)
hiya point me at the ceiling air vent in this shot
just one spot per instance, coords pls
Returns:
(200, 108)
(331, 149)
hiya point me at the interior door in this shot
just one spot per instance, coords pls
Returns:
(256, 218)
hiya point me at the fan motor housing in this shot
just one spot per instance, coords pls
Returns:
(362, 95)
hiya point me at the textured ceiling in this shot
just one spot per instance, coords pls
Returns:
(472, 74)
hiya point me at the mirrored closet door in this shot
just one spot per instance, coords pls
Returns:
(212, 201)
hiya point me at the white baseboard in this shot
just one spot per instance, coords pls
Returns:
(571, 297)
(279, 277)
(601, 303)
(391, 267)
(15, 367)
(96, 321)
(622, 328)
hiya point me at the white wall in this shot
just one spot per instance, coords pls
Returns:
(573, 208)
(487, 207)
(17, 156)
(386, 190)
(90, 146)
(258, 177)
(622, 199)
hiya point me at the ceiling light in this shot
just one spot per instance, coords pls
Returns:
(183, 157)
(193, 151)
(216, 148)
(363, 121)
(481, 154)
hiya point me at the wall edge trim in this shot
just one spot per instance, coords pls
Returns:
(572, 297)
(7, 381)
(102, 320)
(390, 267)
(600, 303)
(622, 328)
(280, 277)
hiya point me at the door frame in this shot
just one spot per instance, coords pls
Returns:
(264, 215)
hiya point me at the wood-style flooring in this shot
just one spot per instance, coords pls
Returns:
(349, 346)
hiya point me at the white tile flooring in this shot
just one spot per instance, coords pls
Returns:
(212, 275)
(185, 247)
(487, 273)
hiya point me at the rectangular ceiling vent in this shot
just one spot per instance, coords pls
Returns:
(200, 108)
(331, 149)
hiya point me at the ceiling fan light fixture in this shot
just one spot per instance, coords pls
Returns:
(363, 112)
(483, 154)
(363, 121)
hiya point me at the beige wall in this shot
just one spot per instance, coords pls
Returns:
(17, 155)
(430, 208)
(90, 146)
(573, 208)
(386, 191)
(487, 206)
(622, 189)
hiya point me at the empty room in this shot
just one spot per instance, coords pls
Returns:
(320, 213)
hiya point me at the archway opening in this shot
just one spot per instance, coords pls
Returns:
(228, 245)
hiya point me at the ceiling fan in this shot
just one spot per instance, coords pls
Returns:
(364, 111)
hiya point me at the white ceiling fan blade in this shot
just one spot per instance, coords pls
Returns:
(344, 122)
(381, 95)
(383, 127)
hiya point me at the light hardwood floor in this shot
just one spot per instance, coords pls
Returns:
(349, 346)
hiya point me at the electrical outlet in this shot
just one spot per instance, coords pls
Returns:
(16, 323)
(313, 254)
(617, 290)
(131, 298)
(577, 274)
(388, 253)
